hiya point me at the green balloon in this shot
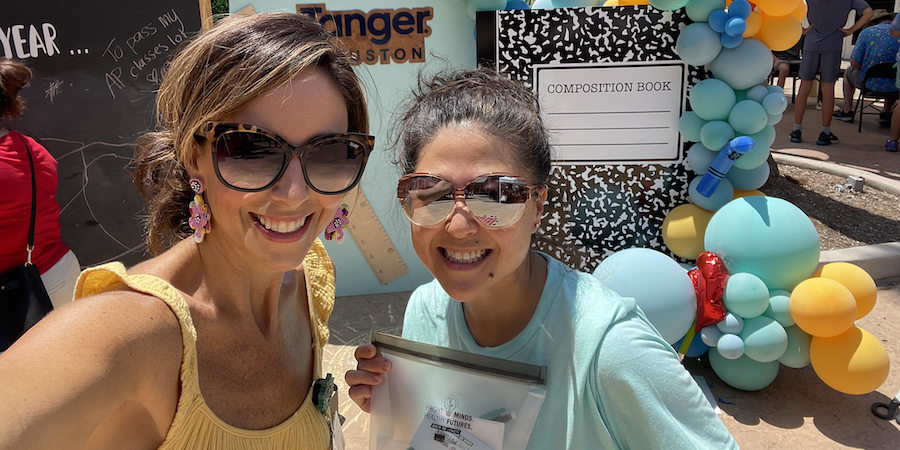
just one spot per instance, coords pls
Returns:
(797, 354)
(743, 373)
(746, 295)
(764, 339)
(715, 134)
(712, 99)
(699, 10)
(780, 308)
(689, 126)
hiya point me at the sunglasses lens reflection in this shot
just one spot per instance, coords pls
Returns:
(496, 201)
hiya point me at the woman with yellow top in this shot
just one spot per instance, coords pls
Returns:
(215, 342)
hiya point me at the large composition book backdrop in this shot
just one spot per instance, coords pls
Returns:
(96, 67)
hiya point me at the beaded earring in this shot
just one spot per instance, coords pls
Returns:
(335, 229)
(199, 219)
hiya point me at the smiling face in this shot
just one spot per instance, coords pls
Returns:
(276, 227)
(470, 260)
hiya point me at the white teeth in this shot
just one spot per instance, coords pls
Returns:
(281, 227)
(465, 258)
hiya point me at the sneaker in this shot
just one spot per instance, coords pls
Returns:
(890, 146)
(827, 139)
(795, 136)
(844, 116)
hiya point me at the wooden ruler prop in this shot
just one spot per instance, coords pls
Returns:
(373, 241)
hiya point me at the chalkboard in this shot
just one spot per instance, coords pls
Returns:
(96, 67)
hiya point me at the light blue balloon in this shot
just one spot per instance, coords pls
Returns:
(735, 27)
(780, 308)
(710, 335)
(748, 180)
(542, 4)
(699, 10)
(760, 153)
(729, 41)
(700, 157)
(746, 295)
(739, 8)
(696, 349)
(667, 5)
(775, 88)
(697, 44)
(712, 99)
(723, 194)
(757, 93)
(764, 339)
(730, 346)
(743, 373)
(740, 95)
(744, 66)
(689, 125)
(717, 20)
(660, 286)
(512, 5)
(715, 134)
(775, 103)
(574, 3)
(766, 236)
(797, 353)
(731, 324)
(774, 119)
(473, 6)
(747, 117)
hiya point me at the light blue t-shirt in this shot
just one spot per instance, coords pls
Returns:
(612, 381)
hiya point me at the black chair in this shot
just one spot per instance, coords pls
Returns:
(880, 70)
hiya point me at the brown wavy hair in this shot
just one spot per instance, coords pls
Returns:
(216, 74)
(13, 77)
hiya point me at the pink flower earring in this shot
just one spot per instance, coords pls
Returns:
(335, 229)
(199, 220)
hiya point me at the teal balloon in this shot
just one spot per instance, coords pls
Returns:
(774, 119)
(666, 5)
(715, 134)
(744, 66)
(697, 44)
(775, 103)
(689, 125)
(712, 99)
(766, 236)
(757, 93)
(740, 95)
(710, 335)
(796, 355)
(731, 324)
(700, 157)
(699, 10)
(761, 150)
(746, 295)
(743, 373)
(764, 339)
(775, 88)
(484, 5)
(748, 180)
(747, 117)
(723, 194)
(513, 5)
(730, 346)
(780, 308)
(574, 3)
(542, 4)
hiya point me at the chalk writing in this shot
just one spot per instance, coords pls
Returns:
(22, 44)
(52, 90)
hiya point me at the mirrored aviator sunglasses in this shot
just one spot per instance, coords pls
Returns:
(251, 159)
(496, 200)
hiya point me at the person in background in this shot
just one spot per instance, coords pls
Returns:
(874, 45)
(782, 61)
(58, 265)
(216, 342)
(822, 54)
(891, 144)
(613, 382)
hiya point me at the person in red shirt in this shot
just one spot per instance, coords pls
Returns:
(58, 265)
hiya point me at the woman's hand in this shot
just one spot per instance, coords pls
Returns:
(370, 370)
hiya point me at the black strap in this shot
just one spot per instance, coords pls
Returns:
(30, 246)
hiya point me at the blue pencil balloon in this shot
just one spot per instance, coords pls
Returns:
(727, 156)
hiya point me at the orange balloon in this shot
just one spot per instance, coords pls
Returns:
(800, 12)
(777, 7)
(683, 230)
(755, 192)
(779, 33)
(754, 22)
(854, 362)
(823, 307)
(857, 280)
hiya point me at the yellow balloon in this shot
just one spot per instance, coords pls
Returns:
(779, 33)
(754, 22)
(777, 7)
(854, 362)
(800, 12)
(823, 307)
(755, 192)
(683, 230)
(857, 280)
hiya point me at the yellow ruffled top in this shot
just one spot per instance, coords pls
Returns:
(195, 426)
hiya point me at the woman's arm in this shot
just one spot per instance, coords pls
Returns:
(73, 369)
